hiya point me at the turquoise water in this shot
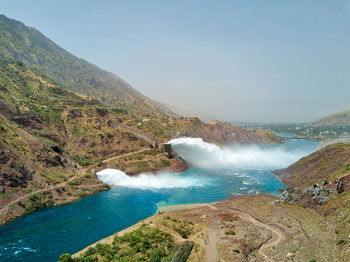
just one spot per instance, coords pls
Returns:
(47, 233)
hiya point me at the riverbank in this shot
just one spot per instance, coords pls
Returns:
(83, 183)
(73, 189)
(71, 184)
(135, 198)
(245, 228)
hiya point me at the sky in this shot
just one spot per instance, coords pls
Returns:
(265, 61)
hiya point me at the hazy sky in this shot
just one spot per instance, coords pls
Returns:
(234, 60)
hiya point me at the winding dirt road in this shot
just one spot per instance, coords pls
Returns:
(128, 154)
(277, 237)
(4, 210)
(211, 251)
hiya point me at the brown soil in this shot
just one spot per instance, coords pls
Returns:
(253, 228)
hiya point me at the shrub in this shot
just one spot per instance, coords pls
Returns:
(347, 167)
(143, 166)
(341, 242)
(143, 244)
(184, 233)
(65, 258)
(157, 255)
(90, 251)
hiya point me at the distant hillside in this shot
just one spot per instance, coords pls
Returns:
(337, 119)
(27, 45)
(330, 162)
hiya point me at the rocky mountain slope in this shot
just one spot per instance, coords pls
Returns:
(321, 181)
(328, 163)
(27, 45)
(336, 119)
(52, 140)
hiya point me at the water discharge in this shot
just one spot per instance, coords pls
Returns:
(206, 155)
(216, 173)
(114, 177)
(209, 156)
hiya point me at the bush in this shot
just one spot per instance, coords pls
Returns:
(232, 233)
(65, 258)
(341, 242)
(184, 233)
(163, 163)
(143, 244)
(82, 160)
(143, 166)
(157, 255)
(90, 251)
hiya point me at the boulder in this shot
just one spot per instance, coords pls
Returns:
(340, 186)
(318, 193)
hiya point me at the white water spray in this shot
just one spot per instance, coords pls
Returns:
(114, 177)
(206, 155)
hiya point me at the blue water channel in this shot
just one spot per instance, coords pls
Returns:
(47, 233)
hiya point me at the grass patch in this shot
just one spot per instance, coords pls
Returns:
(143, 166)
(5, 196)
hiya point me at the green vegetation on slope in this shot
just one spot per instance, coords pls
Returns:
(49, 131)
(53, 138)
(27, 45)
(46, 132)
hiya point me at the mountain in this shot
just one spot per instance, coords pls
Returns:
(336, 119)
(27, 45)
(53, 139)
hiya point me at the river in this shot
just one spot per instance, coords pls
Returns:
(215, 174)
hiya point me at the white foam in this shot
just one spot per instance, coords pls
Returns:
(206, 155)
(114, 177)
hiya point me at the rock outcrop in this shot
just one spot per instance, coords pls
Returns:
(16, 176)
